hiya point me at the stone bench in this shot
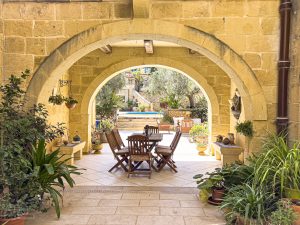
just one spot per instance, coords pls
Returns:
(226, 153)
(70, 151)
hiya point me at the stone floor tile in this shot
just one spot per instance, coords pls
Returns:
(113, 219)
(94, 210)
(169, 196)
(141, 195)
(160, 203)
(133, 210)
(203, 221)
(165, 211)
(119, 202)
(86, 202)
(104, 195)
(160, 220)
(75, 219)
(192, 203)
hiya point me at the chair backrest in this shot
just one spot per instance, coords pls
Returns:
(153, 130)
(176, 140)
(118, 138)
(112, 141)
(138, 145)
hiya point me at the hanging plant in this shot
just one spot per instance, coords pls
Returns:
(245, 128)
(70, 102)
(56, 99)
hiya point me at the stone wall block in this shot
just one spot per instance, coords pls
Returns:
(195, 10)
(96, 10)
(18, 28)
(14, 45)
(48, 28)
(36, 46)
(69, 11)
(166, 10)
(270, 25)
(53, 43)
(75, 27)
(253, 59)
(122, 11)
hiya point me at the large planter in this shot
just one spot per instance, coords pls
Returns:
(97, 148)
(241, 221)
(13, 221)
(201, 149)
(103, 137)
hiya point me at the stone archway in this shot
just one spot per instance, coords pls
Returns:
(60, 60)
(113, 70)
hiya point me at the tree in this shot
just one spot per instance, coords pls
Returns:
(107, 100)
(166, 83)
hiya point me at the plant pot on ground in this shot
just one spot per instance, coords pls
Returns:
(97, 146)
(14, 221)
(201, 148)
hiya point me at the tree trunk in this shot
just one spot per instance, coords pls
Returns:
(191, 100)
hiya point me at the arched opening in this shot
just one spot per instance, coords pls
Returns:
(211, 110)
(218, 52)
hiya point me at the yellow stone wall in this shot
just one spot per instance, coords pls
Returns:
(1, 42)
(251, 28)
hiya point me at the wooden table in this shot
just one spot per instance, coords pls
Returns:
(70, 151)
(227, 153)
(153, 138)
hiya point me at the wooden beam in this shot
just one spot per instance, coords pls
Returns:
(148, 46)
(107, 49)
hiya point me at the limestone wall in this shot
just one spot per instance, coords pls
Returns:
(251, 28)
(1, 42)
(294, 82)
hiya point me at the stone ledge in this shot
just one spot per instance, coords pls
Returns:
(62, 1)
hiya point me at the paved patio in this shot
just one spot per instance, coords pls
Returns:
(131, 206)
(186, 156)
(167, 198)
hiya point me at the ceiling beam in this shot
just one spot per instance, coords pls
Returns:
(148, 46)
(107, 49)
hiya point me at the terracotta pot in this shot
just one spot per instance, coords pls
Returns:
(103, 137)
(296, 208)
(218, 194)
(70, 105)
(13, 221)
(241, 221)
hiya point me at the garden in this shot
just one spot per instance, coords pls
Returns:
(265, 190)
(31, 178)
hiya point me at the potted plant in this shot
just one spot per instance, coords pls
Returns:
(248, 205)
(70, 102)
(284, 215)
(56, 99)
(245, 128)
(199, 134)
(212, 184)
(97, 146)
(105, 125)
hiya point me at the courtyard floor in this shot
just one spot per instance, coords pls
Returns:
(167, 198)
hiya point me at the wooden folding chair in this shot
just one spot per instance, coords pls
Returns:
(153, 130)
(139, 151)
(120, 155)
(121, 145)
(165, 153)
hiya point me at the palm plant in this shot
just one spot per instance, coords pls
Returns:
(52, 172)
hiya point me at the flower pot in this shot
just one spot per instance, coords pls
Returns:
(241, 221)
(70, 105)
(217, 194)
(103, 137)
(201, 149)
(97, 148)
(13, 221)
